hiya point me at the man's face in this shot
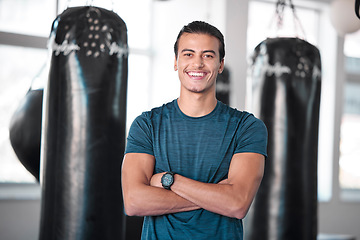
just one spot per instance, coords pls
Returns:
(198, 62)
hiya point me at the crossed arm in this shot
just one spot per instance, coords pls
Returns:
(144, 195)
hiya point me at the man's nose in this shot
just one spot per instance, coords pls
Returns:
(199, 62)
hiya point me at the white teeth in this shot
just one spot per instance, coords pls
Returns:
(195, 74)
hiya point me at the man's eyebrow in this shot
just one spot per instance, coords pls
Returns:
(205, 51)
(187, 50)
(210, 51)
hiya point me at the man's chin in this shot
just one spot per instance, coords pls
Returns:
(197, 90)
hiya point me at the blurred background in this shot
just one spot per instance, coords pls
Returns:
(152, 30)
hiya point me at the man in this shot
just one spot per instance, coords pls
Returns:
(192, 166)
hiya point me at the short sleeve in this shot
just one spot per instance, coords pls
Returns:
(139, 139)
(252, 136)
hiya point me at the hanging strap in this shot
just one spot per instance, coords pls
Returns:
(357, 8)
(279, 16)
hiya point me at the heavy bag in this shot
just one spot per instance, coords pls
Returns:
(223, 87)
(84, 126)
(25, 131)
(286, 81)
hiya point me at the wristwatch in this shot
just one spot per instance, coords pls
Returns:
(167, 180)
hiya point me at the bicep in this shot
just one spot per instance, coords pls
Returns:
(137, 168)
(246, 171)
(136, 172)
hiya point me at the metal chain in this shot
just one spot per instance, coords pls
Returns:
(280, 6)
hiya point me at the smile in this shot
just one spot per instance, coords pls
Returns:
(196, 74)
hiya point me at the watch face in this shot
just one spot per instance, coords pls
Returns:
(167, 179)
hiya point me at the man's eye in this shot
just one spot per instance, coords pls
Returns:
(209, 56)
(187, 54)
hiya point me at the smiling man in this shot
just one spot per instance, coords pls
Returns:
(193, 166)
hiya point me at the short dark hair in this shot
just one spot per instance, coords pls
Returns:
(204, 28)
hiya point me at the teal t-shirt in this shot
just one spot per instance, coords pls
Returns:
(199, 148)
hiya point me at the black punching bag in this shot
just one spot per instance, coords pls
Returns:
(84, 126)
(286, 81)
(223, 87)
(25, 131)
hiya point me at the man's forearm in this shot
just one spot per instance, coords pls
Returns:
(218, 198)
(153, 201)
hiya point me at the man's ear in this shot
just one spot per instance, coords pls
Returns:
(221, 68)
(175, 64)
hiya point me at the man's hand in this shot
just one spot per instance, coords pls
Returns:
(155, 180)
(225, 181)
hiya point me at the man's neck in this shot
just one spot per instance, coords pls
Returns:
(196, 105)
